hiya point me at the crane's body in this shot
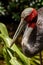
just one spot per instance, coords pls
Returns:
(32, 41)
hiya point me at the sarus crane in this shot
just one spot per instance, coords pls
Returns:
(32, 41)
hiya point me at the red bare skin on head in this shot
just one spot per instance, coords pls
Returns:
(33, 25)
(29, 18)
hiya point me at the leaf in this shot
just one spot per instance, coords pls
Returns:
(3, 30)
(33, 63)
(6, 55)
(6, 40)
(37, 61)
(14, 61)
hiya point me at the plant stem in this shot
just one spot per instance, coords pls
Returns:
(40, 58)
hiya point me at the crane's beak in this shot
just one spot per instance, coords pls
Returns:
(19, 30)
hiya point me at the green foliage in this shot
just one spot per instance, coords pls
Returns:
(2, 10)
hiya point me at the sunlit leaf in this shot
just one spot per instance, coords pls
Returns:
(14, 61)
(3, 30)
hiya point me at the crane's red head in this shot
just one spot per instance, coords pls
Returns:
(32, 17)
